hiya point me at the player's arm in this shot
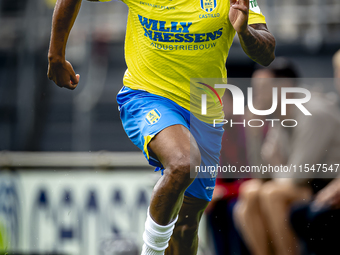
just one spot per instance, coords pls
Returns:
(60, 70)
(257, 42)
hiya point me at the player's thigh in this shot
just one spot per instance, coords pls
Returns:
(159, 127)
(174, 146)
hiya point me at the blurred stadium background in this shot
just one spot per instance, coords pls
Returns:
(57, 192)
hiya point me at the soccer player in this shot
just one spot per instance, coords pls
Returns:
(168, 43)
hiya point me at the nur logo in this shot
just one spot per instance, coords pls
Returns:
(207, 89)
(208, 5)
(153, 117)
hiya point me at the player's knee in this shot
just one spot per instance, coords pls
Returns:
(179, 172)
(182, 168)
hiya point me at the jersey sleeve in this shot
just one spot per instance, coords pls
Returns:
(255, 14)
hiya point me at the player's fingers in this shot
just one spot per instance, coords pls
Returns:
(74, 82)
(232, 2)
(64, 82)
(73, 76)
(240, 7)
(49, 74)
(77, 77)
(244, 3)
(70, 86)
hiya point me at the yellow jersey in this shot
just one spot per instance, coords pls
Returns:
(168, 42)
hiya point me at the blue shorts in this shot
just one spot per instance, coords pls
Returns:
(144, 115)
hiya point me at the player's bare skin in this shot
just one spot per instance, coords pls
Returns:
(178, 152)
(59, 69)
(185, 239)
(173, 146)
(256, 40)
(259, 45)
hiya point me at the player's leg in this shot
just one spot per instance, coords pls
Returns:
(160, 128)
(197, 196)
(185, 239)
(176, 149)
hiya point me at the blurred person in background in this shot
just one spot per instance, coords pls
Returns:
(262, 100)
(240, 147)
(219, 210)
(336, 67)
(157, 83)
(315, 140)
(318, 222)
(251, 216)
(254, 137)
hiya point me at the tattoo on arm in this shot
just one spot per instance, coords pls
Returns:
(258, 43)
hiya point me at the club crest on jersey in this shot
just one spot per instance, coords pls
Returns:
(153, 117)
(208, 5)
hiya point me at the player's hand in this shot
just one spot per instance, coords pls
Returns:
(62, 73)
(238, 15)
